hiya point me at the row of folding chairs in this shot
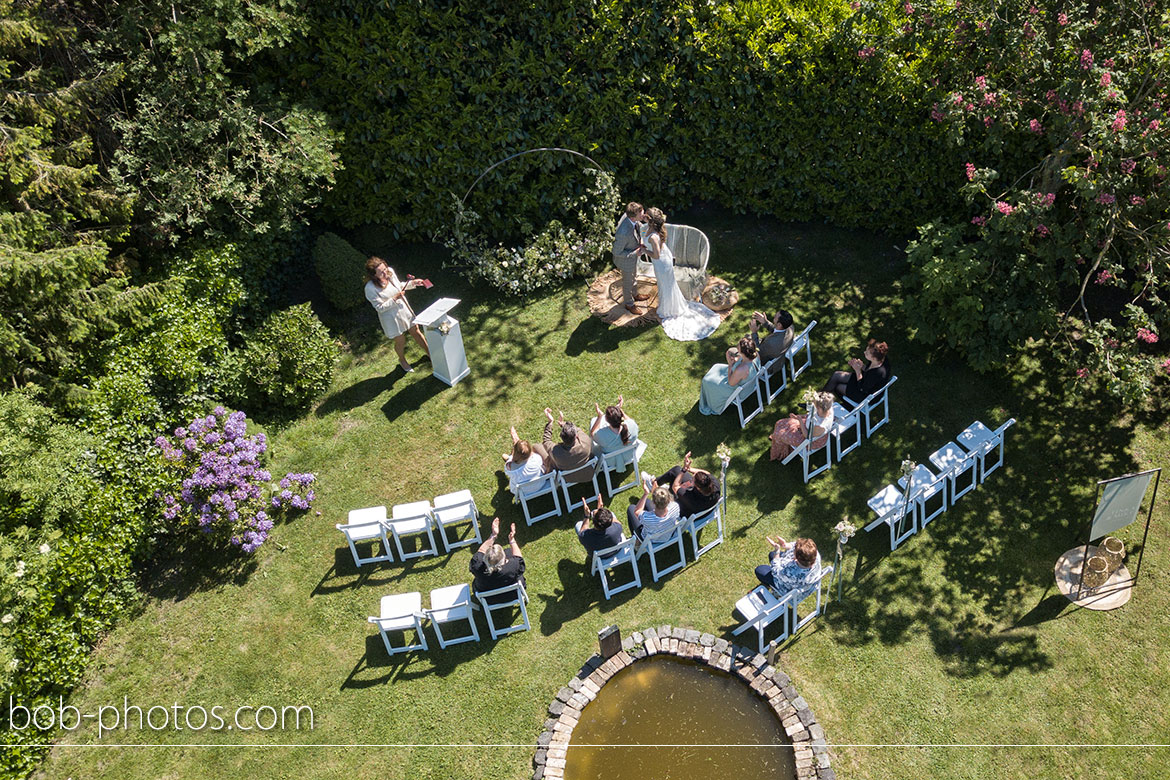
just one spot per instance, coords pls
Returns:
(961, 466)
(608, 562)
(764, 606)
(418, 519)
(853, 422)
(401, 613)
(771, 379)
(556, 484)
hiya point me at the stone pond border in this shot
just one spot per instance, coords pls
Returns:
(808, 738)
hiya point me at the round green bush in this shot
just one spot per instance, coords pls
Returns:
(287, 364)
(341, 269)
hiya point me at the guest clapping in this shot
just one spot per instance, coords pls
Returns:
(776, 343)
(495, 567)
(574, 451)
(722, 379)
(863, 377)
(598, 529)
(526, 461)
(792, 430)
(694, 490)
(645, 521)
(612, 430)
(790, 567)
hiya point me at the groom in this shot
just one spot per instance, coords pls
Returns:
(625, 254)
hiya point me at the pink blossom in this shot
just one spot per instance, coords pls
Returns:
(980, 221)
(909, 9)
(1046, 198)
(1029, 33)
(1082, 373)
(1109, 63)
(1104, 277)
(1062, 19)
(1086, 59)
(981, 83)
(1128, 165)
(936, 113)
(1035, 126)
(988, 121)
(989, 99)
(1166, 365)
(866, 53)
(970, 172)
(1147, 335)
(856, 5)
(1043, 230)
(1137, 200)
(1154, 124)
(1033, 10)
(1051, 95)
(1004, 208)
(1106, 79)
(1078, 107)
(1119, 121)
(957, 98)
(1112, 343)
(1106, 199)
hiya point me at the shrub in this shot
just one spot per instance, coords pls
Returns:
(288, 363)
(341, 269)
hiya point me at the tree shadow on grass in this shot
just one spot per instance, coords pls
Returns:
(345, 575)
(593, 335)
(579, 593)
(376, 668)
(359, 394)
(194, 563)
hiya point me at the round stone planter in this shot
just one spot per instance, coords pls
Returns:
(810, 749)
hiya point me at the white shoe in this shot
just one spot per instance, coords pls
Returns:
(406, 368)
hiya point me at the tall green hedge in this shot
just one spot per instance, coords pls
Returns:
(761, 106)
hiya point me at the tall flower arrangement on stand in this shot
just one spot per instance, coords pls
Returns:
(845, 531)
(222, 485)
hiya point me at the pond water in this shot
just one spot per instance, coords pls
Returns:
(678, 719)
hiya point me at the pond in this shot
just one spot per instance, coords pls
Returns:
(674, 718)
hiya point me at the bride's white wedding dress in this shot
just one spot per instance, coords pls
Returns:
(682, 320)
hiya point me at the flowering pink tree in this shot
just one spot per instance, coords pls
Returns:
(1061, 109)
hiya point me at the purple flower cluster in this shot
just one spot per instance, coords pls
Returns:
(224, 482)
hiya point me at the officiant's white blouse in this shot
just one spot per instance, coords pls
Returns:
(395, 315)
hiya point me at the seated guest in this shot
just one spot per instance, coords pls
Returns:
(613, 430)
(574, 451)
(694, 490)
(721, 380)
(864, 378)
(791, 567)
(526, 462)
(776, 343)
(494, 567)
(598, 530)
(791, 431)
(645, 521)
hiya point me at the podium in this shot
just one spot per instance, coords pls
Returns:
(444, 340)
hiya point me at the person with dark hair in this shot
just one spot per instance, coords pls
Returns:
(573, 452)
(722, 379)
(495, 567)
(627, 242)
(612, 430)
(598, 530)
(695, 490)
(388, 297)
(863, 378)
(795, 566)
(776, 343)
(681, 319)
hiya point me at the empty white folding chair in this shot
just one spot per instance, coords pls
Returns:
(401, 612)
(695, 524)
(774, 383)
(566, 480)
(517, 597)
(981, 442)
(896, 513)
(662, 542)
(367, 525)
(413, 519)
(927, 487)
(610, 559)
(797, 598)
(453, 604)
(960, 467)
(813, 461)
(799, 343)
(453, 510)
(846, 428)
(533, 489)
(760, 609)
(621, 459)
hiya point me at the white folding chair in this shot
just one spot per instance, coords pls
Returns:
(808, 455)
(951, 460)
(796, 598)
(621, 459)
(981, 441)
(413, 519)
(519, 599)
(844, 421)
(695, 524)
(774, 384)
(544, 485)
(401, 612)
(926, 487)
(451, 511)
(609, 559)
(452, 604)
(799, 343)
(892, 510)
(760, 609)
(367, 525)
(744, 392)
(566, 484)
(661, 542)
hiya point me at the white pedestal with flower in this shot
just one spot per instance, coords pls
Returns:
(444, 340)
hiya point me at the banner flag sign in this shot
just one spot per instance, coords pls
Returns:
(1121, 499)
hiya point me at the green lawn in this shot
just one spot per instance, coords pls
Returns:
(958, 637)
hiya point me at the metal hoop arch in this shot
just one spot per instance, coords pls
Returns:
(493, 166)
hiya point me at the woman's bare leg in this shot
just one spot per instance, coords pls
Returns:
(400, 348)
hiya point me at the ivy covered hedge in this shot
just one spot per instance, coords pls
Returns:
(763, 107)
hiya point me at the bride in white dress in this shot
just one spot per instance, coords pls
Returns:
(682, 320)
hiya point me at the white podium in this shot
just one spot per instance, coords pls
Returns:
(444, 340)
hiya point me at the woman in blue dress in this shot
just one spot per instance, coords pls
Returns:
(722, 379)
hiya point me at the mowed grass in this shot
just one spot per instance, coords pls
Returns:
(958, 638)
